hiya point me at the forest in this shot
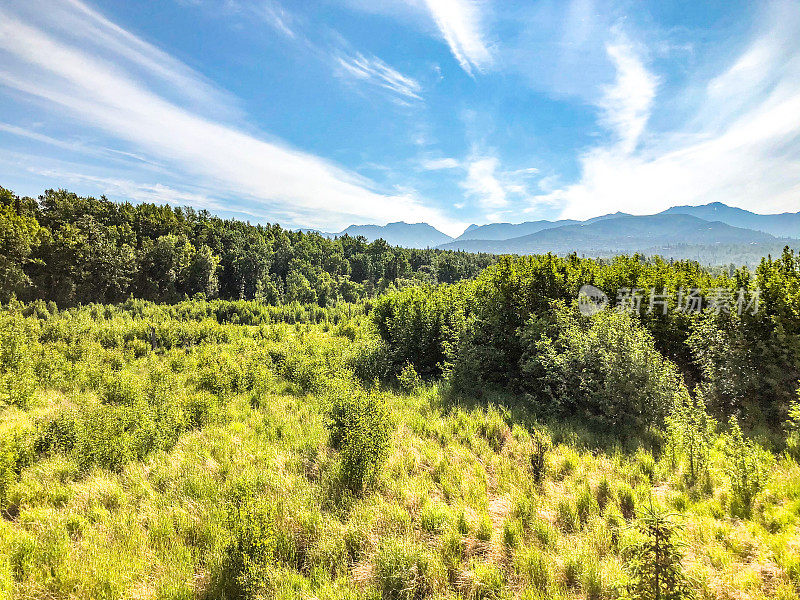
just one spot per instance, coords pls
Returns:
(199, 408)
(76, 250)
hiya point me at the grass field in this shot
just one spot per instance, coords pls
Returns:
(162, 452)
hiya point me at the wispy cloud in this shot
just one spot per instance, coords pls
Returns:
(439, 164)
(277, 16)
(373, 70)
(482, 184)
(492, 189)
(460, 23)
(626, 104)
(106, 89)
(740, 147)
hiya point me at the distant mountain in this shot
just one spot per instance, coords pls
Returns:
(670, 235)
(409, 235)
(505, 231)
(711, 234)
(779, 225)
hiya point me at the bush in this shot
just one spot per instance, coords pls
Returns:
(654, 563)
(604, 369)
(793, 426)
(691, 432)
(540, 446)
(408, 378)
(16, 450)
(254, 543)
(17, 380)
(360, 429)
(746, 465)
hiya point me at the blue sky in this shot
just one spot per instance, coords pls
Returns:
(331, 112)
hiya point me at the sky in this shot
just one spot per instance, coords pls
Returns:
(326, 113)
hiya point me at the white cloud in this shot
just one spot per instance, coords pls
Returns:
(491, 188)
(107, 90)
(483, 185)
(460, 23)
(742, 147)
(438, 164)
(626, 104)
(276, 16)
(377, 72)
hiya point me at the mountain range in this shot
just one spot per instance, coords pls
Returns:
(712, 234)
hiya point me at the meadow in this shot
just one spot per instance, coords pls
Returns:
(193, 407)
(215, 449)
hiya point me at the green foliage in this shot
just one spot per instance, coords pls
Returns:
(488, 583)
(654, 562)
(17, 380)
(540, 446)
(75, 250)
(18, 236)
(534, 567)
(421, 326)
(793, 426)
(746, 465)
(408, 378)
(605, 369)
(690, 433)
(360, 429)
(255, 543)
(404, 570)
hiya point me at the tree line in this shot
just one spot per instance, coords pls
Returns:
(76, 250)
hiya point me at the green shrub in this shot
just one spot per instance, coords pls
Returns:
(540, 446)
(654, 563)
(16, 449)
(17, 343)
(199, 410)
(691, 431)
(408, 378)
(604, 369)
(360, 430)
(746, 465)
(793, 426)
(369, 361)
(58, 433)
(254, 544)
